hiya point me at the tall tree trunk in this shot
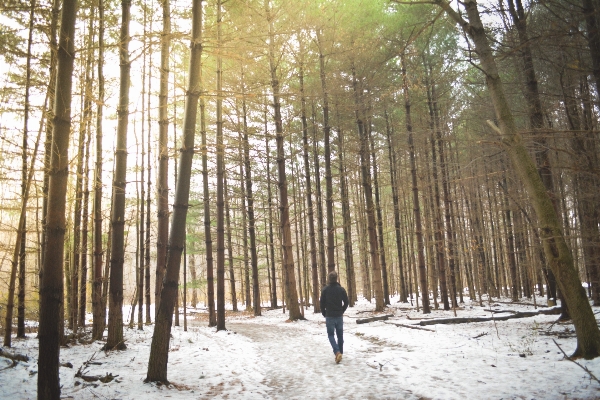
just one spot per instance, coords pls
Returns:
(327, 148)
(18, 247)
(229, 248)
(248, 297)
(162, 184)
(508, 233)
(250, 199)
(193, 273)
(115, 304)
(361, 229)
(397, 223)
(99, 311)
(415, 190)
(23, 232)
(436, 207)
(297, 221)
(270, 207)
(557, 252)
(445, 189)
(379, 220)
(51, 283)
(84, 224)
(148, 199)
(212, 319)
(220, 172)
(309, 200)
(49, 127)
(284, 222)
(347, 221)
(142, 211)
(368, 194)
(76, 256)
(318, 199)
(159, 349)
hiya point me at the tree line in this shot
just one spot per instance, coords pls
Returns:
(426, 151)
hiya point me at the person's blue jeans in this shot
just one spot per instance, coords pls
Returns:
(335, 324)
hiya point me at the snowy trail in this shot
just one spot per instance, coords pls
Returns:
(297, 362)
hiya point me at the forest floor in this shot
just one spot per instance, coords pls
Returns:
(268, 358)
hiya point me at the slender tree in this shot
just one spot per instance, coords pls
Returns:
(99, 311)
(162, 184)
(51, 282)
(115, 314)
(284, 217)
(368, 195)
(309, 200)
(159, 349)
(220, 173)
(415, 190)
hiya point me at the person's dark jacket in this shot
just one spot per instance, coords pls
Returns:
(334, 300)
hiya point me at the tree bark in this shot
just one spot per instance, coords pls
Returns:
(327, 149)
(99, 311)
(21, 295)
(159, 349)
(115, 305)
(85, 223)
(212, 319)
(51, 284)
(368, 194)
(18, 246)
(309, 200)
(347, 229)
(229, 249)
(397, 223)
(415, 190)
(162, 184)
(220, 172)
(318, 199)
(284, 222)
(379, 220)
(270, 207)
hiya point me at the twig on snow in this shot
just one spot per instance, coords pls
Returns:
(409, 326)
(580, 366)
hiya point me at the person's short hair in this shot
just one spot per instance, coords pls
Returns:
(332, 277)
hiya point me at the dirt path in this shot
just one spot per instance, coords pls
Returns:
(298, 363)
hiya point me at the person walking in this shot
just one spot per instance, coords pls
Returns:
(334, 302)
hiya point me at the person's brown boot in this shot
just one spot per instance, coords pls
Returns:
(338, 357)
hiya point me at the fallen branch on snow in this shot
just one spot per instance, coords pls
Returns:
(526, 314)
(409, 326)
(15, 358)
(372, 319)
(580, 366)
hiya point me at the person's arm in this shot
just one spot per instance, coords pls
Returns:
(322, 302)
(344, 300)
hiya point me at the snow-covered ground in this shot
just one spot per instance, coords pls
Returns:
(268, 358)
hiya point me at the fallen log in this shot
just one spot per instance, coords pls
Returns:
(372, 319)
(418, 318)
(409, 326)
(522, 303)
(525, 314)
(500, 311)
(14, 357)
